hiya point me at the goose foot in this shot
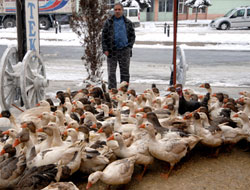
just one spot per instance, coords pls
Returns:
(165, 175)
(139, 177)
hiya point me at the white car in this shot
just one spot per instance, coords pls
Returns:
(235, 18)
(132, 13)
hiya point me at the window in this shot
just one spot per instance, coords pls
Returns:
(240, 13)
(248, 12)
(111, 3)
(133, 12)
(182, 8)
(125, 12)
(201, 10)
(162, 5)
(169, 5)
(165, 5)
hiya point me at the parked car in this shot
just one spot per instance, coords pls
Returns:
(235, 18)
(132, 13)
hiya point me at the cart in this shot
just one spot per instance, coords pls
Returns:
(22, 83)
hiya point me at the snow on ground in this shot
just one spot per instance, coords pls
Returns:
(153, 32)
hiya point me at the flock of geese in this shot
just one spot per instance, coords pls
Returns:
(105, 133)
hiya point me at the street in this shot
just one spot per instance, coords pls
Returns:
(218, 67)
(150, 55)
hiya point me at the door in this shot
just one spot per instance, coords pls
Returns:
(238, 19)
(248, 17)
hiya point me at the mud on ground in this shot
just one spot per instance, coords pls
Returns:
(199, 170)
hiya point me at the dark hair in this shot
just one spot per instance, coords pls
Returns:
(120, 4)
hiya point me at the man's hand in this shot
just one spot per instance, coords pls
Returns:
(106, 53)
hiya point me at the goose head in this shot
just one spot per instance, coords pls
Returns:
(21, 137)
(10, 132)
(9, 149)
(93, 178)
(43, 103)
(242, 115)
(5, 113)
(47, 129)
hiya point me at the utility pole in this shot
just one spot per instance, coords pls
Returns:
(175, 15)
(21, 29)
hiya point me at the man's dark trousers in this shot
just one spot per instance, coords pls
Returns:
(123, 58)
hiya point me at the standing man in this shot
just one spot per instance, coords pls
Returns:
(118, 37)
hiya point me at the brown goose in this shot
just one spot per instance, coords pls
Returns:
(11, 170)
(37, 177)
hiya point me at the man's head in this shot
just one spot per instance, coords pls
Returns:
(118, 9)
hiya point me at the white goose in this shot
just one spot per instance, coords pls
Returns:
(47, 143)
(60, 117)
(66, 156)
(245, 93)
(139, 148)
(116, 173)
(12, 133)
(245, 120)
(61, 185)
(170, 151)
(210, 139)
(33, 113)
(72, 133)
(246, 107)
(7, 120)
(46, 117)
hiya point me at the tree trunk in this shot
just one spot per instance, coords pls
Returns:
(196, 15)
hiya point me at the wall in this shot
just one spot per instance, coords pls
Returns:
(218, 8)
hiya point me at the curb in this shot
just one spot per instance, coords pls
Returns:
(178, 43)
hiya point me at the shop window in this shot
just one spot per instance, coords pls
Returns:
(182, 9)
(201, 10)
(165, 5)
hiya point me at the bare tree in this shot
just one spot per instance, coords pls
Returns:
(197, 4)
(143, 4)
(87, 23)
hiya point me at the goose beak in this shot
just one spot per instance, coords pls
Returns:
(100, 130)
(6, 132)
(111, 138)
(39, 130)
(236, 115)
(133, 115)
(2, 152)
(165, 107)
(88, 185)
(94, 126)
(24, 125)
(188, 116)
(142, 126)
(65, 133)
(202, 86)
(16, 142)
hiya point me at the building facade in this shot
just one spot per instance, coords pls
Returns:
(162, 10)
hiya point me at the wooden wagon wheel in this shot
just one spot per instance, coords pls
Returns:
(33, 79)
(10, 70)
